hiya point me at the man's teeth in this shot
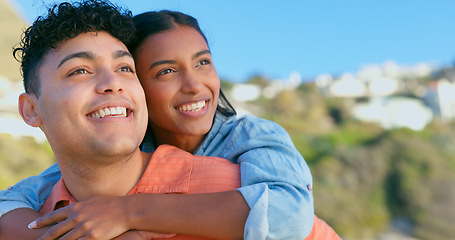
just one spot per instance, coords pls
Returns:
(110, 112)
(192, 107)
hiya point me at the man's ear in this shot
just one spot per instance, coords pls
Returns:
(29, 109)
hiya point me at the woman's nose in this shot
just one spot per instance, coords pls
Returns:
(191, 84)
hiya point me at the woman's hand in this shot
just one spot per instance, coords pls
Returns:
(99, 217)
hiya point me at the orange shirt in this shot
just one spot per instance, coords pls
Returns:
(172, 170)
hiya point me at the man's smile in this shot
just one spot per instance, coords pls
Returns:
(109, 112)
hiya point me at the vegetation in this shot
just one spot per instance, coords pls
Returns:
(22, 157)
(365, 176)
(12, 26)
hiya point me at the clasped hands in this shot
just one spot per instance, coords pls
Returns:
(99, 217)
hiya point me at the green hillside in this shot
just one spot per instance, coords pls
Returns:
(11, 26)
(365, 177)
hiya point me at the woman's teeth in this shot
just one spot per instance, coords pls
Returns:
(109, 112)
(192, 107)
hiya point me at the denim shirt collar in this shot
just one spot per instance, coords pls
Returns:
(148, 144)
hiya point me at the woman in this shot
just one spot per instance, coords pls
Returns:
(175, 68)
(188, 110)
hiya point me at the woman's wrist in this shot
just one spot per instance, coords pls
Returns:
(131, 206)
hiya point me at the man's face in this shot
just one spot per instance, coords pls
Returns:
(91, 102)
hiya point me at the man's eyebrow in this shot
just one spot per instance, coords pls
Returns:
(86, 55)
(91, 56)
(121, 53)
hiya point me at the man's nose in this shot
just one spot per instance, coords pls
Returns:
(108, 82)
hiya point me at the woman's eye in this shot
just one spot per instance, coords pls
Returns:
(78, 71)
(203, 62)
(164, 72)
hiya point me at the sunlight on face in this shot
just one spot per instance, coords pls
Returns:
(180, 81)
(86, 74)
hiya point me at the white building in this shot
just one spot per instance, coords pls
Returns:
(440, 97)
(394, 112)
(371, 80)
(10, 120)
(279, 85)
(347, 86)
(245, 92)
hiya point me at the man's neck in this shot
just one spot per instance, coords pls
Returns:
(114, 179)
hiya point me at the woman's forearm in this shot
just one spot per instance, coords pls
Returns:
(214, 215)
(13, 225)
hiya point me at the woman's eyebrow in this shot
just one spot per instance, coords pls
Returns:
(162, 62)
(201, 53)
(173, 61)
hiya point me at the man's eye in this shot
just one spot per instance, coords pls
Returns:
(126, 69)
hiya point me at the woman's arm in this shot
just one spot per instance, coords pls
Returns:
(13, 225)
(219, 215)
(276, 180)
(19, 204)
(212, 215)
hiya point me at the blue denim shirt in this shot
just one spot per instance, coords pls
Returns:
(275, 177)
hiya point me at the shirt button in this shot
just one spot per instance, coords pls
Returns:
(309, 187)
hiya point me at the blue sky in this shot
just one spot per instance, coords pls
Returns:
(275, 38)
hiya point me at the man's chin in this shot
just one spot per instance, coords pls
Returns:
(116, 149)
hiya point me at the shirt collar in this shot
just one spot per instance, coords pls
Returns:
(168, 171)
(60, 197)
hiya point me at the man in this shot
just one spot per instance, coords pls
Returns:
(82, 91)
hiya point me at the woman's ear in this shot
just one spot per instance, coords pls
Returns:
(29, 110)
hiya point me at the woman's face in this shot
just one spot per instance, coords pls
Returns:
(180, 82)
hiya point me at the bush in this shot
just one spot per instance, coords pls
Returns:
(21, 158)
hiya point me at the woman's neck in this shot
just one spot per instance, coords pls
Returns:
(185, 142)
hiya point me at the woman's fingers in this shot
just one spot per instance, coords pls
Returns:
(57, 231)
(49, 219)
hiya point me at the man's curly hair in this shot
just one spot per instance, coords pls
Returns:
(65, 21)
